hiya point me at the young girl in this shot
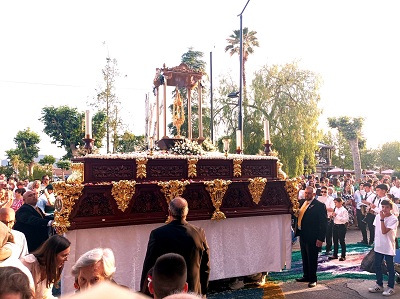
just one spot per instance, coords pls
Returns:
(340, 218)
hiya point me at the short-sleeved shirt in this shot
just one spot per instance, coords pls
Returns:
(385, 243)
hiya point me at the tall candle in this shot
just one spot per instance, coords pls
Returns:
(88, 125)
(266, 131)
(239, 139)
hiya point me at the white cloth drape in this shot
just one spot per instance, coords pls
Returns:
(238, 247)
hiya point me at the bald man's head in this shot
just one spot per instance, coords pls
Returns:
(178, 208)
(7, 216)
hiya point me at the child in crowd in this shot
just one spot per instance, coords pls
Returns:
(340, 218)
(385, 247)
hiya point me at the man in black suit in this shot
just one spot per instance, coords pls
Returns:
(31, 221)
(182, 238)
(312, 223)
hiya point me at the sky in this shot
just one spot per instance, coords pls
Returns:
(53, 53)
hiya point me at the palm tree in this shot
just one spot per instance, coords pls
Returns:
(249, 42)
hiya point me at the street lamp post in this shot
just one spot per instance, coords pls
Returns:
(343, 156)
(240, 115)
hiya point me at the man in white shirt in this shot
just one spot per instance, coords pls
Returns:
(330, 205)
(361, 210)
(395, 190)
(19, 247)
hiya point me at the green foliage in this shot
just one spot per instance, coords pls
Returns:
(64, 164)
(65, 127)
(249, 42)
(194, 60)
(369, 159)
(26, 150)
(47, 160)
(288, 97)
(388, 156)
(39, 171)
(129, 142)
(7, 170)
(350, 128)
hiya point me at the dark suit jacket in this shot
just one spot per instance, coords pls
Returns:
(187, 240)
(33, 224)
(314, 222)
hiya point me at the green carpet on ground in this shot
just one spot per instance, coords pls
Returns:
(329, 269)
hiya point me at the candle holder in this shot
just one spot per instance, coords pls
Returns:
(238, 150)
(89, 142)
(226, 142)
(267, 148)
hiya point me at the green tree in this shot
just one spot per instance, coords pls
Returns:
(108, 102)
(63, 165)
(65, 127)
(47, 162)
(388, 155)
(351, 131)
(26, 148)
(369, 159)
(249, 43)
(129, 142)
(288, 98)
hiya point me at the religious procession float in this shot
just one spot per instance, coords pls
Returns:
(244, 202)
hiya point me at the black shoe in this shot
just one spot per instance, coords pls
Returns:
(342, 259)
(371, 243)
(303, 279)
(312, 284)
(333, 257)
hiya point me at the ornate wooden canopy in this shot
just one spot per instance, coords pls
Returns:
(181, 76)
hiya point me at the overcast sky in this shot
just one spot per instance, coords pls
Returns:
(53, 52)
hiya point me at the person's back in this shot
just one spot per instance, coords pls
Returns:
(184, 239)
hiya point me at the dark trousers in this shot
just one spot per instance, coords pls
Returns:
(390, 267)
(328, 236)
(339, 236)
(362, 225)
(309, 255)
(370, 222)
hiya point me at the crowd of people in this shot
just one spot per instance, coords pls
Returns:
(329, 206)
(32, 255)
(177, 259)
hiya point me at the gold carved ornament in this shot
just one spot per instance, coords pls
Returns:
(141, 168)
(178, 113)
(172, 189)
(237, 167)
(122, 191)
(281, 174)
(217, 189)
(292, 188)
(69, 194)
(77, 174)
(256, 187)
(192, 170)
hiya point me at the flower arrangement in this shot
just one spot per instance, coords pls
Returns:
(186, 147)
(208, 146)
